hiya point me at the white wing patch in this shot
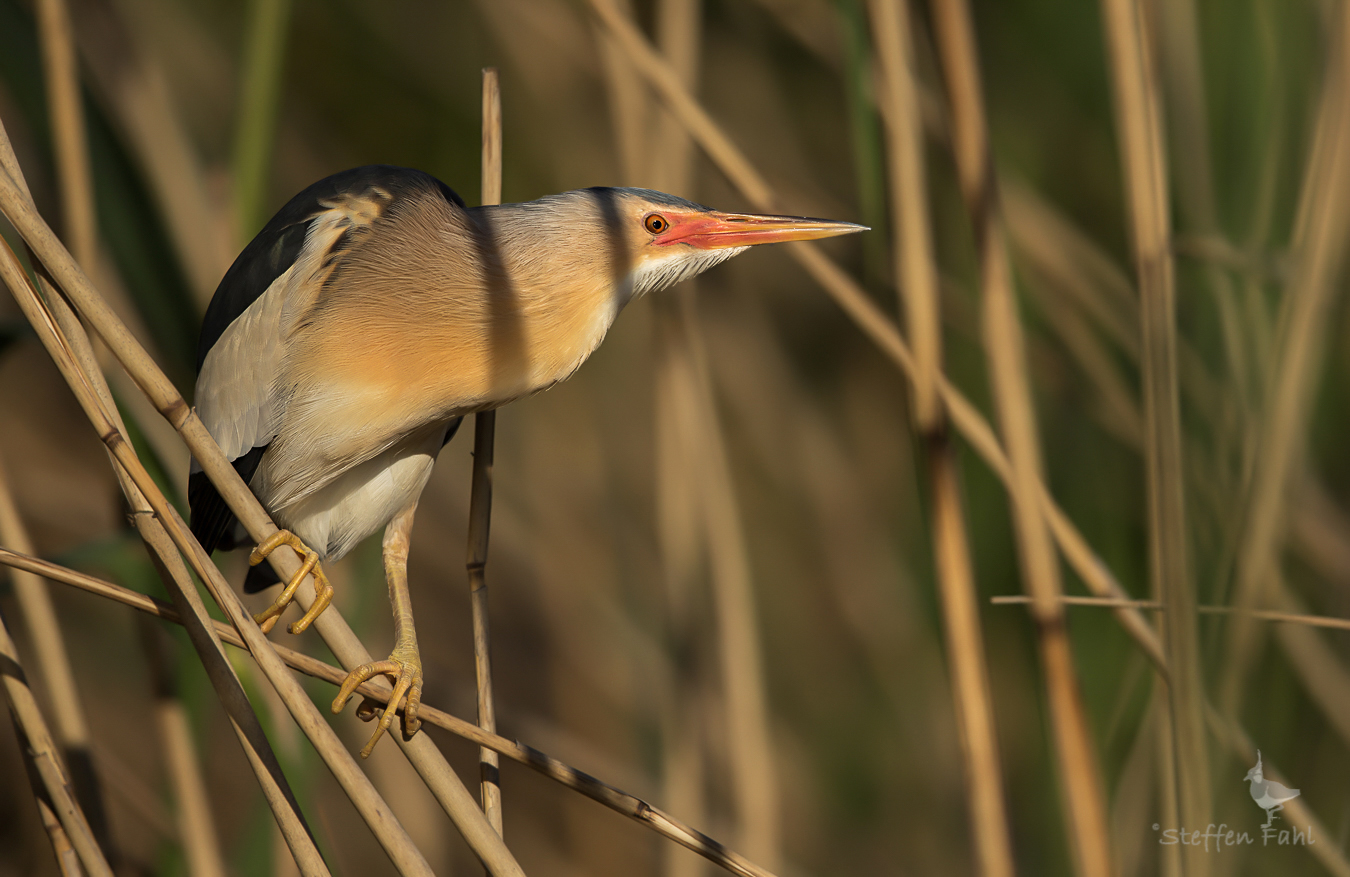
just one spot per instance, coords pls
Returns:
(243, 389)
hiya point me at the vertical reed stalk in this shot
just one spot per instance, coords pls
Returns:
(1318, 253)
(679, 431)
(196, 828)
(480, 501)
(873, 323)
(74, 176)
(1139, 122)
(421, 751)
(259, 99)
(72, 146)
(916, 273)
(480, 497)
(83, 378)
(1079, 773)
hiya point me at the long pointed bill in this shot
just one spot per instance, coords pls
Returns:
(719, 231)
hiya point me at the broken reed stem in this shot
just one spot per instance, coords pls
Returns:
(915, 268)
(1139, 129)
(67, 858)
(850, 297)
(337, 635)
(1079, 772)
(615, 799)
(480, 494)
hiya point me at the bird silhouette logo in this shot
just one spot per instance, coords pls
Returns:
(1268, 794)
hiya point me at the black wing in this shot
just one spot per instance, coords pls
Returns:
(269, 255)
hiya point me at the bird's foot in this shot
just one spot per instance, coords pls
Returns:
(323, 591)
(404, 667)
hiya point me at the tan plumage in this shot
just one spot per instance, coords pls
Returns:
(375, 310)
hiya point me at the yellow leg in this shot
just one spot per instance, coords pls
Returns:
(267, 618)
(404, 665)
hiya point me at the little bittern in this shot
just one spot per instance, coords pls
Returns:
(374, 311)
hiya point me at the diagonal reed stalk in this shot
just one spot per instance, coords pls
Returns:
(567, 776)
(172, 570)
(83, 378)
(243, 720)
(1318, 253)
(1139, 129)
(40, 749)
(1080, 778)
(53, 666)
(480, 496)
(965, 416)
(916, 272)
(696, 449)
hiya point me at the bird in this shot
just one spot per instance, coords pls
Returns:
(1268, 794)
(375, 310)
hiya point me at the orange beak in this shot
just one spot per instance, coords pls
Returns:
(717, 231)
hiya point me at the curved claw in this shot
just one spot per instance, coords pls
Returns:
(406, 674)
(267, 618)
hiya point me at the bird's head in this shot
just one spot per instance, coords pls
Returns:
(649, 240)
(1255, 774)
(672, 239)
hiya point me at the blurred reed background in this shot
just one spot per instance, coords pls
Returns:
(741, 562)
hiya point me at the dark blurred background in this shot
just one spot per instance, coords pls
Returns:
(610, 634)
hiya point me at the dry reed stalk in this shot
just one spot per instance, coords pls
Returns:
(1139, 130)
(1182, 76)
(480, 497)
(67, 859)
(1303, 618)
(74, 174)
(916, 273)
(1079, 772)
(196, 827)
(82, 379)
(133, 88)
(429, 762)
(40, 748)
(175, 575)
(1319, 238)
(172, 571)
(678, 428)
(53, 667)
(260, 97)
(628, 105)
(850, 297)
(72, 146)
(754, 777)
(615, 799)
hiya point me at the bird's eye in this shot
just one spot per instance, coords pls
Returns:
(656, 223)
